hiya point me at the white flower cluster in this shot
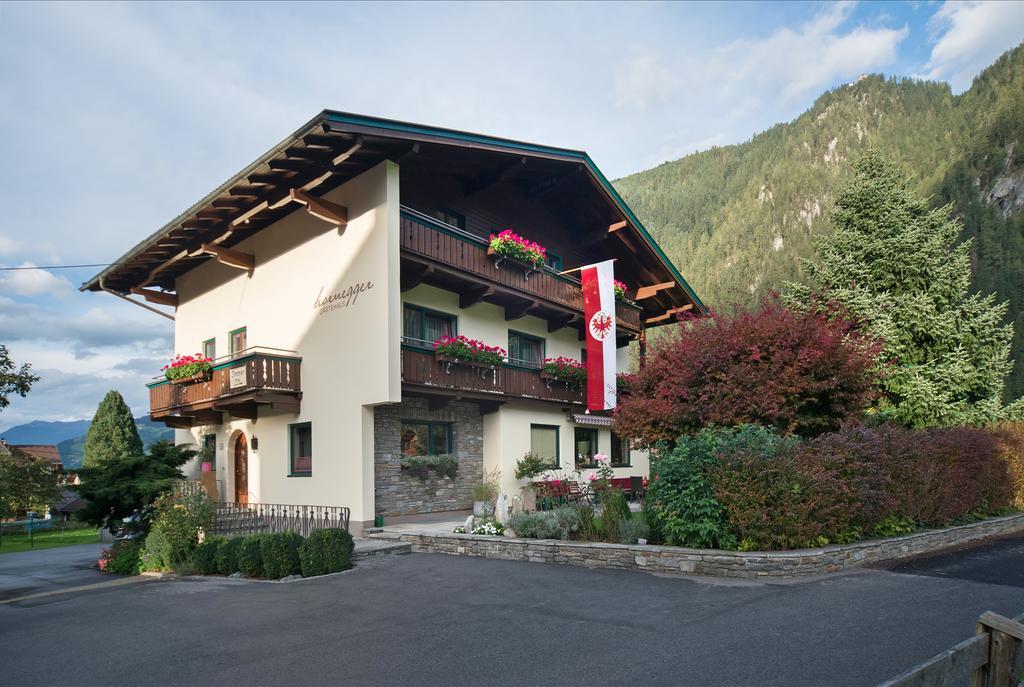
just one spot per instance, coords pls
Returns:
(487, 528)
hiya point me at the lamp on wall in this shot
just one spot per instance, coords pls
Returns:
(255, 444)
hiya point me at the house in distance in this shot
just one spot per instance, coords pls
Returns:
(319, 278)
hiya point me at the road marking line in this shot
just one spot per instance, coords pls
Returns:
(82, 588)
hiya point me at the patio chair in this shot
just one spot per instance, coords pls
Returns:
(637, 487)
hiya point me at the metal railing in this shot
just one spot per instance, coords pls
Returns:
(235, 519)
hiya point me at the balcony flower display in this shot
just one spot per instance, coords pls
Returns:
(620, 288)
(463, 349)
(511, 245)
(564, 369)
(185, 368)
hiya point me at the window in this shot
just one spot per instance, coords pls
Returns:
(449, 216)
(585, 442)
(210, 450)
(301, 450)
(422, 327)
(525, 350)
(554, 261)
(426, 438)
(237, 339)
(620, 451)
(210, 348)
(544, 443)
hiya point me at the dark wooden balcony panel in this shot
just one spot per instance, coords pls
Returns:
(258, 379)
(468, 253)
(422, 369)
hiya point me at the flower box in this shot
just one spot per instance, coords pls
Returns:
(568, 370)
(187, 369)
(510, 246)
(451, 360)
(203, 376)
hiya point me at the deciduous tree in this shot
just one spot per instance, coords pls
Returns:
(13, 379)
(799, 372)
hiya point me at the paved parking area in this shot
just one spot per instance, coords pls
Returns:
(425, 619)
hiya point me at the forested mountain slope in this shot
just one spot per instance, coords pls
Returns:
(737, 219)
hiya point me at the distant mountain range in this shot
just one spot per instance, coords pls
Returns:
(70, 436)
(738, 219)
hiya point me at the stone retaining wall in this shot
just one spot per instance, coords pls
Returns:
(682, 561)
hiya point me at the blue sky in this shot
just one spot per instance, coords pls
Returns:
(115, 117)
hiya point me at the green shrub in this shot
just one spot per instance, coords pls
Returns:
(227, 556)
(565, 522)
(326, 551)
(680, 498)
(250, 555)
(124, 557)
(280, 553)
(158, 554)
(614, 509)
(178, 521)
(632, 528)
(204, 558)
(531, 465)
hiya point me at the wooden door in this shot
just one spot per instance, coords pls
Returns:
(241, 470)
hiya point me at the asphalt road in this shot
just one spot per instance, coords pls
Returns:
(27, 572)
(435, 620)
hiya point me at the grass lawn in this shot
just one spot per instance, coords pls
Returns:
(10, 543)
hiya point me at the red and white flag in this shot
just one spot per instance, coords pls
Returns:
(599, 318)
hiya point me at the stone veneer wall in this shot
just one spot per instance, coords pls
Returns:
(397, 493)
(682, 561)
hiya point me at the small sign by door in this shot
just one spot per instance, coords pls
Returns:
(237, 377)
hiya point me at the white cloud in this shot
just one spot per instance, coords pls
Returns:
(7, 244)
(969, 36)
(33, 282)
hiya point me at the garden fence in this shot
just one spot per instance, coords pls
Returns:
(992, 658)
(236, 519)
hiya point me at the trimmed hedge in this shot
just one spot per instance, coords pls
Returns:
(227, 556)
(326, 551)
(750, 489)
(280, 553)
(250, 555)
(204, 558)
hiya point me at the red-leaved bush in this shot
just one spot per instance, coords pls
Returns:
(801, 373)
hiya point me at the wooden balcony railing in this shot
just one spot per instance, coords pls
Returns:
(421, 368)
(445, 245)
(236, 384)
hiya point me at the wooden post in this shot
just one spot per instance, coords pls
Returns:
(642, 345)
(1005, 638)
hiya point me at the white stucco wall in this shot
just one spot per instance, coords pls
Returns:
(349, 349)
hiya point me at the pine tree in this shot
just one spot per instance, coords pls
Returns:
(112, 434)
(893, 263)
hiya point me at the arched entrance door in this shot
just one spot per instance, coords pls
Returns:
(241, 469)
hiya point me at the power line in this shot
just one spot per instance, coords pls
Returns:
(55, 267)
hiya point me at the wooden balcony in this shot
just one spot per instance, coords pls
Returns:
(438, 254)
(238, 385)
(422, 372)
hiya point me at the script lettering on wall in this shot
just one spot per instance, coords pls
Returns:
(340, 299)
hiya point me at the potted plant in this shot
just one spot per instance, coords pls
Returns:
(465, 351)
(445, 466)
(529, 466)
(564, 369)
(508, 245)
(485, 492)
(188, 368)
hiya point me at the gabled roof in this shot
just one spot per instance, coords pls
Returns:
(47, 454)
(334, 147)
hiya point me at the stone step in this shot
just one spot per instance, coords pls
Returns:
(379, 547)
